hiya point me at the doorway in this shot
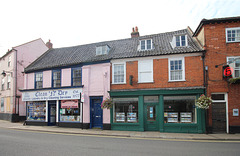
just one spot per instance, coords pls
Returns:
(51, 113)
(219, 113)
(150, 117)
(96, 112)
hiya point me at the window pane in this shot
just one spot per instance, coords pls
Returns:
(125, 110)
(179, 109)
(118, 73)
(218, 97)
(77, 77)
(143, 45)
(150, 99)
(148, 44)
(36, 111)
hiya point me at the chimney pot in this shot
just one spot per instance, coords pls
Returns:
(135, 32)
(49, 44)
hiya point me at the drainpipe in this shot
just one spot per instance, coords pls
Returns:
(204, 72)
(15, 96)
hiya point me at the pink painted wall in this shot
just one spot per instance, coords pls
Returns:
(66, 77)
(96, 81)
(26, 54)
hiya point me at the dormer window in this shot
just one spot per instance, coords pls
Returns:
(181, 41)
(102, 50)
(146, 44)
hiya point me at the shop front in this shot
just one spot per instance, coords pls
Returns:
(61, 107)
(168, 110)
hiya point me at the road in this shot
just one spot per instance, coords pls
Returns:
(26, 143)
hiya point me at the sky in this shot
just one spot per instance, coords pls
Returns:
(77, 22)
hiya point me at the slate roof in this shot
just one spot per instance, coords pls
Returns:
(124, 48)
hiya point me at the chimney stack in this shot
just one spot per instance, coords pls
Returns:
(49, 44)
(135, 32)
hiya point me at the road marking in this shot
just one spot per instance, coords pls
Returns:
(133, 138)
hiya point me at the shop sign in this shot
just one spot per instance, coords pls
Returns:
(69, 104)
(57, 94)
(227, 72)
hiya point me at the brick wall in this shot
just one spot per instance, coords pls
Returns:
(193, 75)
(217, 52)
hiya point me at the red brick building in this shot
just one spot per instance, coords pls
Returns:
(155, 81)
(221, 40)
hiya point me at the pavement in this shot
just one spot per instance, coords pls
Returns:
(122, 134)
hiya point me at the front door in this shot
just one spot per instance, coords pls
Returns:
(52, 113)
(96, 112)
(150, 117)
(219, 117)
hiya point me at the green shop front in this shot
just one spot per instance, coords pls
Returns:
(164, 110)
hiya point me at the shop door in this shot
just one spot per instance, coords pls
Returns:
(52, 113)
(150, 117)
(219, 117)
(96, 112)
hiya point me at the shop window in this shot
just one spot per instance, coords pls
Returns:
(70, 111)
(119, 73)
(2, 104)
(234, 63)
(38, 80)
(145, 71)
(179, 109)
(56, 82)
(125, 110)
(176, 69)
(36, 111)
(76, 77)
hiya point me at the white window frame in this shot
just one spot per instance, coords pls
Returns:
(9, 82)
(180, 38)
(9, 61)
(169, 68)
(233, 65)
(236, 36)
(100, 51)
(145, 44)
(124, 67)
(150, 73)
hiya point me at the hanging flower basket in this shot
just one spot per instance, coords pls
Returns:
(203, 102)
(107, 103)
(234, 80)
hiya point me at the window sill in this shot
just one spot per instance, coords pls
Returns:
(118, 83)
(176, 80)
(146, 82)
(232, 41)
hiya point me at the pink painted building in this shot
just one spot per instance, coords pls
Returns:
(12, 66)
(66, 86)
